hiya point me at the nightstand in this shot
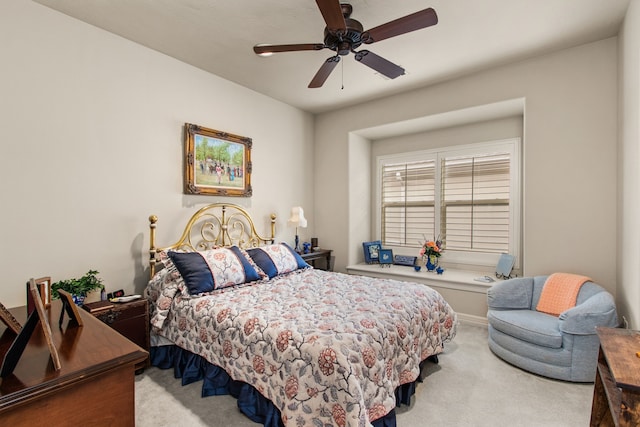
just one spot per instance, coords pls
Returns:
(130, 319)
(319, 254)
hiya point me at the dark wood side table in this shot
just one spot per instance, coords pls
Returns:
(131, 319)
(616, 394)
(319, 254)
(95, 384)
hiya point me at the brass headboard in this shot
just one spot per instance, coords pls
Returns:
(217, 224)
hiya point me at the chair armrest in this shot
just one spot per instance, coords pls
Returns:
(511, 294)
(598, 310)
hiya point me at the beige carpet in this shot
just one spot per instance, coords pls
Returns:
(469, 387)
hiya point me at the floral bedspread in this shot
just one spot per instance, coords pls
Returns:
(326, 348)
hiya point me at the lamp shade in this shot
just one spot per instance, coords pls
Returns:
(297, 218)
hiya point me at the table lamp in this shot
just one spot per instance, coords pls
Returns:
(296, 220)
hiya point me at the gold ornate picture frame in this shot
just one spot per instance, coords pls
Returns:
(216, 163)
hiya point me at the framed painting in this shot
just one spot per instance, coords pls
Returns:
(216, 163)
(371, 251)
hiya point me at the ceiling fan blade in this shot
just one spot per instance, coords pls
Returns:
(379, 64)
(324, 71)
(265, 49)
(415, 21)
(332, 14)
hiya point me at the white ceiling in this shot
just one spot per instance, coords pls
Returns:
(471, 35)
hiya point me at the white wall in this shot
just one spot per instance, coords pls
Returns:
(628, 298)
(569, 154)
(91, 144)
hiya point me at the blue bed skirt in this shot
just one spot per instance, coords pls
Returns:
(191, 368)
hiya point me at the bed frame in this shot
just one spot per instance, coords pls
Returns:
(214, 225)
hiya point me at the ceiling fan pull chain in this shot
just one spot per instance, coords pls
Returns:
(342, 69)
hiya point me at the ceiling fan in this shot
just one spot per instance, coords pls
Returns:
(344, 34)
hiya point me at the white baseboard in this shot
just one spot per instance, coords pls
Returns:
(473, 320)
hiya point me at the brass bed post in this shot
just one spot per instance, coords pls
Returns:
(273, 228)
(152, 244)
(223, 225)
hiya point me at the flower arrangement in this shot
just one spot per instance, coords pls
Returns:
(431, 248)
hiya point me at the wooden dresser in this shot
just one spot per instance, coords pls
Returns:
(95, 385)
(616, 394)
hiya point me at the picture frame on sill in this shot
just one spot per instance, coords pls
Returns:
(385, 257)
(216, 163)
(406, 260)
(371, 251)
(505, 266)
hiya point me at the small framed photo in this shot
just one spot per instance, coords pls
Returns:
(43, 286)
(371, 251)
(70, 307)
(7, 318)
(385, 257)
(405, 260)
(505, 265)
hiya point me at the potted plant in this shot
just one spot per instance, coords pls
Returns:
(78, 288)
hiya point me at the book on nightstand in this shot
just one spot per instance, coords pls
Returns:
(95, 307)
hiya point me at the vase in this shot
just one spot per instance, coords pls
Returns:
(432, 262)
(78, 299)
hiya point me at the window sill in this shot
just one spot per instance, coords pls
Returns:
(462, 280)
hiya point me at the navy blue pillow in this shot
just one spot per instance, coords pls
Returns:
(204, 271)
(264, 261)
(261, 256)
(250, 273)
(194, 271)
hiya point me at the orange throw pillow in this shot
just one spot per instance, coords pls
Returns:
(560, 292)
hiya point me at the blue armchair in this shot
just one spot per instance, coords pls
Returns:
(564, 347)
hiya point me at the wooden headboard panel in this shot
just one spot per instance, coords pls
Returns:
(214, 225)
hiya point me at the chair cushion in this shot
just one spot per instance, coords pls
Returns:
(527, 325)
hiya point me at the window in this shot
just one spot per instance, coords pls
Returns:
(468, 196)
(408, 208)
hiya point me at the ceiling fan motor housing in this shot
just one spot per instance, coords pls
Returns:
(343, 43)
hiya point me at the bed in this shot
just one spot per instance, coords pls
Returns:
(297, 346)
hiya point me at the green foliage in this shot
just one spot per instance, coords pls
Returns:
(81, 286)
(219, 151)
